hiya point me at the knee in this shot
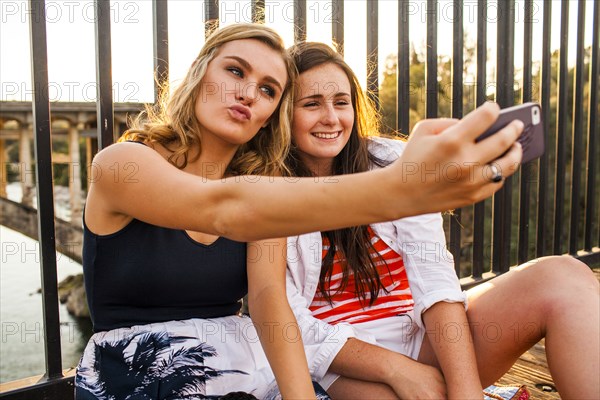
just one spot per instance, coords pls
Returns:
(562, 272)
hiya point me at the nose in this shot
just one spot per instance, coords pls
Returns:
(248, 93)
(329, 115)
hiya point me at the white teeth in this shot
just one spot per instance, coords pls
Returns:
(322, 135)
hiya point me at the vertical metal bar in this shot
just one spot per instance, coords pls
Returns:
(299, 21)
(337, 25)
(403, 71)
(258, 11)
(544, 163)
(372, 51)
(505, 98)
(527, 50)
(160, 27)
(457, 60)
(457, 112)
(104, 101)
(211, 16)
(592, 166)
(45, 196)
(509, 101)
(479, 217)
(526, 169)
(431, 105)
(577, 130)
(561, 130)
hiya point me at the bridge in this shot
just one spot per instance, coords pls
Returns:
(73, 126)
(24, 219)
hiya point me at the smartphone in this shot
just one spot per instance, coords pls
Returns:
(532, 137)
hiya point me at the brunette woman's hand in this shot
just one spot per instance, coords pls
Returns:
(420, 381)
(443, 162)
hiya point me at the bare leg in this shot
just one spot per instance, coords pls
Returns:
(347, 388)
(554, 297)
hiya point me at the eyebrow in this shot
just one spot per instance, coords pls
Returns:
(247, 65)
(316, 96)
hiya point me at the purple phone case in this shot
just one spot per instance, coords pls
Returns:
(532, 137)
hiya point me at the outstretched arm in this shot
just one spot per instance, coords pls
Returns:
(132, 181)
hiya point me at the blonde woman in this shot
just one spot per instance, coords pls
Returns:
(164, 291)
(175, 233)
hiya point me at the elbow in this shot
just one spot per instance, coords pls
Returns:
(233, 226)
(231, 217)
(254, 308)
(263, 300)
(238, 222)
(223, 226)
(233, 213)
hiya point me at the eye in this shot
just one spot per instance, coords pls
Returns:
(268, 90)
(342, 103)
(311, 104)
(236, 71)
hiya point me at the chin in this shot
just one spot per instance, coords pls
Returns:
(326, 155)
(236, 138)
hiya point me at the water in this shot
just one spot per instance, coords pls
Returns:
(21, 322)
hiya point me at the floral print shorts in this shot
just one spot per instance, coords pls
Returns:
(192, 359)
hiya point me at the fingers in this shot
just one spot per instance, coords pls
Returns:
(496, 145)
(493, 174)
(433, 126)
(509, 162)
(476, 122)
(470, 170)
(505, 165)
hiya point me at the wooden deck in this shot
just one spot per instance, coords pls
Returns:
(532, 370)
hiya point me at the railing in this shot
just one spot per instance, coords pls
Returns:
(536, 197)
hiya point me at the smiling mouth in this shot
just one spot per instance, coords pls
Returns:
(327, 135)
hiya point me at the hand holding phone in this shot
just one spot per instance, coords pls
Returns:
(532, 137)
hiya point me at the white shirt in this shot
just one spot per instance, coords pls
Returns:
(421, 242)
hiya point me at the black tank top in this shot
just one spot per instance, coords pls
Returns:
(145, 273)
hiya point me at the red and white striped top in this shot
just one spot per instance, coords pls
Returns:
(346, 307)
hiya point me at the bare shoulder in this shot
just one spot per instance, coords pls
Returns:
(135, 181)
(111, 169)
(123, 152)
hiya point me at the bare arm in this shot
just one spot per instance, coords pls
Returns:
(131, 181)
(408, 378)
(276, 325)
(450, 337)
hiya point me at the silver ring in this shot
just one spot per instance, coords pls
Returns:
(496, 173)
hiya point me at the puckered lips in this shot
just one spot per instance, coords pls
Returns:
(240, 112)
(327, 135)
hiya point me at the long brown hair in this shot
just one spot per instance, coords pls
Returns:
(352, 244)
(172, 123)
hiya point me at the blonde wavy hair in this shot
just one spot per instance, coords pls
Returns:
(171, 121)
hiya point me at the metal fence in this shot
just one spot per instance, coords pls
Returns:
(554, 213)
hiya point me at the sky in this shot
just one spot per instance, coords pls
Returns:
(71, 49)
